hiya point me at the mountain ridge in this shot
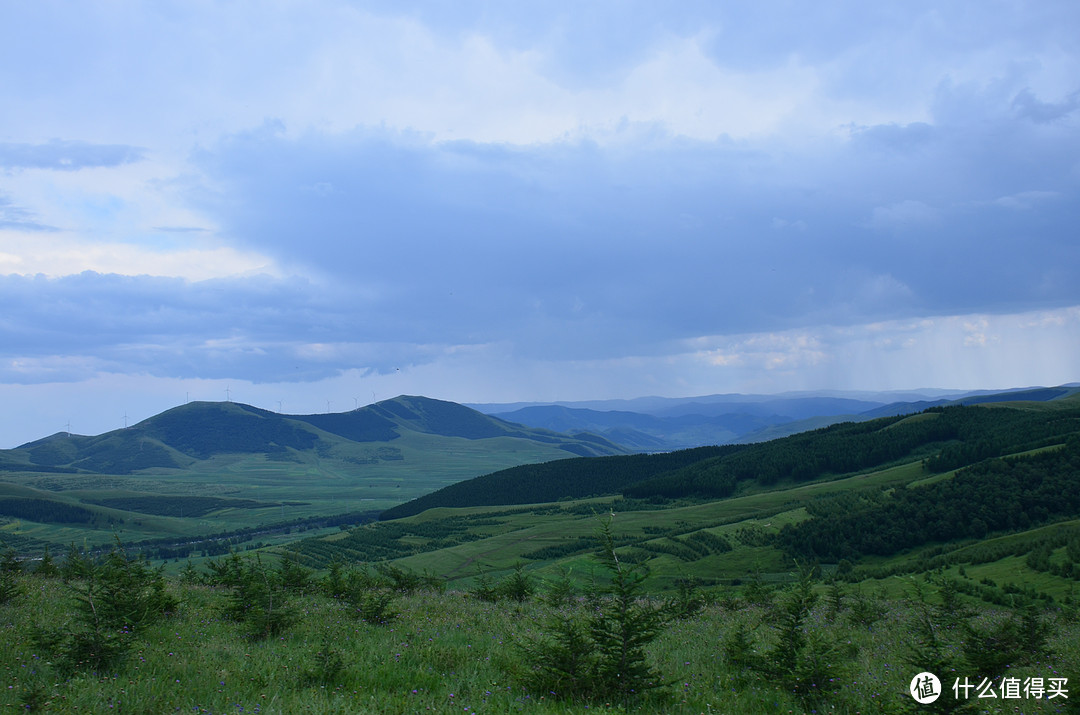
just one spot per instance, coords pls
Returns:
(943, 438)
(683, 423)
(195, 432)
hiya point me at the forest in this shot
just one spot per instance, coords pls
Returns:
(996, 495)
(943, 437)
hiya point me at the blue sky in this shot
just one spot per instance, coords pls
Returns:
(317, 204)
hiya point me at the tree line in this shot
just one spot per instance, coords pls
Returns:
(996, 495)
(944, 438)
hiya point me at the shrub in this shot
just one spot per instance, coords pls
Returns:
(407, 582)
(560, 592)
(517, 586)
(114, 598)
(47, 567)
(373, 606)
(803, 661)
(687, 600)
(327, 666)
(992, 647)
(485, 589)
(10, 587)
(257, 598)
(562, 662)
(294, 577)
(601, 656)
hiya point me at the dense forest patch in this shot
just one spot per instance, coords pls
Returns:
(995, 495)
(45, 511)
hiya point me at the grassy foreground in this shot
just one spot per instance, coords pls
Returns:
(854, 652)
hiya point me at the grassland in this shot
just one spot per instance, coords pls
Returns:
(959, 605)
(509, 535)
(448, 651)
(344, 477)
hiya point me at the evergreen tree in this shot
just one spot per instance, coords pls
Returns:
(602, 656)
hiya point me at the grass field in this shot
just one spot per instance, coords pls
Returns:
(449, 652)
(510, 534)
(308, 487)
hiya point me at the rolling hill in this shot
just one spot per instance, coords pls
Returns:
(231, 465)
(945, 437)
(990, 487)
(183, 436)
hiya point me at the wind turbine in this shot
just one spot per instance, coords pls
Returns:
(228, 397)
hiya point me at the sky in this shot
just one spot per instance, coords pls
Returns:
(309, 206)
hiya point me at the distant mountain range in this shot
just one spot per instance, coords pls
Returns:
(664, 424)
(217, 467)
(940, 439)
(185, 436)
(190, 436)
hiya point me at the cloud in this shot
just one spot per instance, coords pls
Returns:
(575, 247)
(60, 155)
(260, 328)
(18, 218)
(181, 229)
(771, 351)
(1027, 105)
(33, 250)
(161, 326)
(1025, 200)
(486, 193)
(961, 351)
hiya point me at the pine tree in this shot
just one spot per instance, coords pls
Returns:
(603, 655)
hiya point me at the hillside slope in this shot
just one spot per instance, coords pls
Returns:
(203, 469)
(986, 493)
(198, 431)
(943, 438)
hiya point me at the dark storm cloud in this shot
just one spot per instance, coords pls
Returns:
(262, 328)
(583, 249)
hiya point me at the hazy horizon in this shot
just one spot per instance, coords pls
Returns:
(644, 404)
(341, 202)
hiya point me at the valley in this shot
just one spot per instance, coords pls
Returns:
(471, 562)
(155, 479)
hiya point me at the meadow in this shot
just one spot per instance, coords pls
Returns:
(242, 635)
(770, 598)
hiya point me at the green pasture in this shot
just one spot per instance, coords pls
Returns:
(351, 478)
(449, 652)
(522, 530)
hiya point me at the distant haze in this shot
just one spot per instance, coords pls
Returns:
(310, 206)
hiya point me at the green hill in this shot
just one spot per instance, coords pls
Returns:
(551, 481)
(232, 466)
(945, 437)
(891, 496)
(199, 431)
(818, 572)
